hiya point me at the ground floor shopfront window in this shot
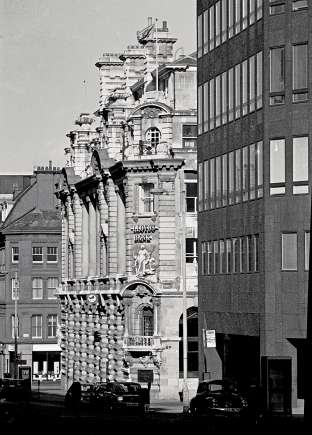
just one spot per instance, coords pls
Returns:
(46, 365)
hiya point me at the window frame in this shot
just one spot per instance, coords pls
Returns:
(56, 254)
(50, 288)
(37, 254)
(283, 266)
(14, 254)
(37, 327)
(142, 198)
(52, 326)
(14, 288)
(37, 289)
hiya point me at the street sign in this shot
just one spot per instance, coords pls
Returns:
(210, 338)
(145, 376)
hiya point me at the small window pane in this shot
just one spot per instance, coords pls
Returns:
(218, 23)
(211, 28)
(289, 251)
(231, 178)
(15, 254)
(218, 181)
(237, 176)
(277, 165)
(212, 183)
(299, 4)
(224, 179)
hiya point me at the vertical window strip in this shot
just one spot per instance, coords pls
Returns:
(205, 105)
(200, 186)
(245, 174)
(300, 72)
(231, 95)
(237, 16)
(218, 23)
(218, 181)
(224, 180)
(259, 9)
(200, 35)
(237, 176)
(231, 178)
(252, 171)
(212, 183)
(211, 104)
(306, 250)
(245, 87)
(237, 91)
(200, 110)
(277, 166)
(300, 165)
(244, 14)
(252, 11)
(224, 98)
(212, 27)
(206, 184)
(252, 84)
(218, 101)
(231, 18)
(205, 32)
(259, 79)
(259, 165)
(221, 259)
(224, 21)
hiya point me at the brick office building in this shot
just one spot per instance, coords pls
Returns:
(123, 221)
(254, 163)
(29, 252)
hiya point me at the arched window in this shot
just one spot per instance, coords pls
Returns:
(153, 138)
(147, 321)
(192, 343)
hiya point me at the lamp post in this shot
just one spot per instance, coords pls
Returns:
(16, 295)
(185, 391)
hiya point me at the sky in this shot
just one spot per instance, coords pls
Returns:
(48, 48)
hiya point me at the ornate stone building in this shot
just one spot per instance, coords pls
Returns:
(129, 235)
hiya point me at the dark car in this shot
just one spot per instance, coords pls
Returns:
(78, 394)
(121, 396)
(218, 398)
(15, 389)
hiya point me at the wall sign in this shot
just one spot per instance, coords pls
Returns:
(143, 233)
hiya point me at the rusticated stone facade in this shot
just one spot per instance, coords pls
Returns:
(128, 201)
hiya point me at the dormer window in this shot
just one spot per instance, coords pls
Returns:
(152, 138)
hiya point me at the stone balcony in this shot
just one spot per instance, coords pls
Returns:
(141, 342)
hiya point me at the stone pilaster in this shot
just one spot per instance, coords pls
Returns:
(103, 209)
(92, 239)
(121, 233)
(85, 235)
(112, 228)
(78, 229)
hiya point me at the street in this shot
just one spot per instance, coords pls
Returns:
(47, 414)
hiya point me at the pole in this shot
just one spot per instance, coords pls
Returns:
(308, 344)
(156, 55)
(16, 295)
(185, 392)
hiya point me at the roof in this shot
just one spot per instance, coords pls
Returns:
(10, 182)
(35, 221)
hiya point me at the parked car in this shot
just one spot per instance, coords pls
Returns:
(121, 396)
(15, 389)
(219, 398)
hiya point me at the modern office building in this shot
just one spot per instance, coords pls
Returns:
(30, 242)
(254, 123)
(128, 195)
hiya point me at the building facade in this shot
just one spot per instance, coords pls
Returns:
(30, 271)
(254, 84)
(11, 185)
(128, 195)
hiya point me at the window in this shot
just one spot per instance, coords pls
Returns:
(211, 104)
(300, 72)
(52, 286)
(224, 180)
(52, 254)
(259, 164)
(224, 97)
(191, 250)
(210, 258)
(252, 171)
(206, 184)
(218, 23)
(306, 249)
(216, 256)
(231, 18)
(237, 176)
(277, 166)
(15, 288)
(231, 95)
(249, 257)
(52, 325)
(37, 256)
(259, 76)
(221, 260)
(200, 35)
(189, 135)
(204, 269)
(256, 252)
(244, 87)
(191, 197)
(147, 321)
(205, 31)
(299, 4)
(231, 178)
(289, 251)
(200, 109)
(36, 326)
(15, 254)
(211, 28)
(236, 255)
(212, 183)
(224, 21)
(205, 109)
(277, 75)
(300, 165)
(243, 254)
(152, 138)
(277, 7)
(237, 91)
(252, 84)
(146, 198)
(228, 255)
(245, 14)
(218, 182)
(252, 11)
(13, 326)
(37, 288)
(245, 174)
(200, 186)
(218, 101)
(237, 16)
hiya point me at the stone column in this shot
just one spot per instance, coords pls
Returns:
(103, 228)
(78, 230)
(156, 305)
(64, 243)
(71, 238)
(85, 234)
(92, 239)
(121, 233)
(128, 303)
